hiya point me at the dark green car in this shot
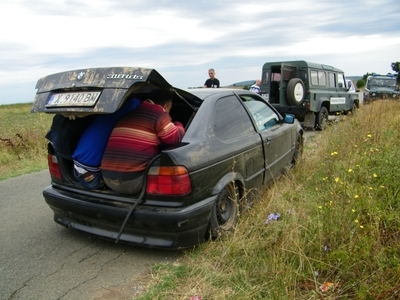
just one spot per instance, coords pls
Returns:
(381, 87)
(235, 145)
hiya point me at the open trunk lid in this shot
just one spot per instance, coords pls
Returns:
(92, 90)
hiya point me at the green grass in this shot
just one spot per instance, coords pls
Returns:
(22, 142)
(339, 225)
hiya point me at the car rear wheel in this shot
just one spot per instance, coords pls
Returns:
(295, 91)
(322, 119)
(224, 215)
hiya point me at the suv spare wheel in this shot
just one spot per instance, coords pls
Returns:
(295, 92)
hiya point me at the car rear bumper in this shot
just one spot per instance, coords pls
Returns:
(159, 227)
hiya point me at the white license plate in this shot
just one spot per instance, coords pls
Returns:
(74, 99)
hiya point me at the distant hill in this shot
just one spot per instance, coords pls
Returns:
(242, 83)
(354, 78)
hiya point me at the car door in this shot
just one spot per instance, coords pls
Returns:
(276, 136)
(338, 92)
(288, 72)
(343, 94)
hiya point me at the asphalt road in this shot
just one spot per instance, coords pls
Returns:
(40, 259)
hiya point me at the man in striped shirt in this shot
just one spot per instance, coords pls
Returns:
(136, 139)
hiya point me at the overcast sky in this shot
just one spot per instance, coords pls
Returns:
(183, 39)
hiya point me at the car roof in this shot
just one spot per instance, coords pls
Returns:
(203, 93)
(302, 64)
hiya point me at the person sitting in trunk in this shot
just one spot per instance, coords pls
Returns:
(136, 139)
(92, 143)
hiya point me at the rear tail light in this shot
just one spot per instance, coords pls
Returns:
(170, 181)
(54, 168)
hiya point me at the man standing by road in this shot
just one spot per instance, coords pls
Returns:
(256, 87)
(211, 82)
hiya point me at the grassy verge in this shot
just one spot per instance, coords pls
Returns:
(22, 142)
(339, 232)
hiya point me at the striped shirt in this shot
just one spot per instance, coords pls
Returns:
(137, 138)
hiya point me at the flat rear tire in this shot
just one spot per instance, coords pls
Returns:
(225, 211)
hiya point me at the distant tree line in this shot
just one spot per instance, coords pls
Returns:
(396, 68)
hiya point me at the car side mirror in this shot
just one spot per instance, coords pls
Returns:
(289, 119)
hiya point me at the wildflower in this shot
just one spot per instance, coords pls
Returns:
(371, 188)
(355, 146)
(356, 196)
(334, 153)
(327, 286)
(356, 221)
(337, 179)
(382, 186)
(325, 178)
(353, 210)
(350, 170)
(369, 135)
(361, 226)
(375, 175)
(320, 207)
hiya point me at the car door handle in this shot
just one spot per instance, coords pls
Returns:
(268, 140)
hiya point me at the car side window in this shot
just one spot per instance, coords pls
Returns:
(318, 77)
(341, 81)
(231, 121)
(332, 81)
(263, 115)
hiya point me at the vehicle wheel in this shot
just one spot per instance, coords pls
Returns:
(295, 91)
(298, 151)
(352, 111)
(225, 212)
(322, 119)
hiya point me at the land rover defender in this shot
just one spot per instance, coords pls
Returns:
(310, 91)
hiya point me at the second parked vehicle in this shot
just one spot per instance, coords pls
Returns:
(310, 91)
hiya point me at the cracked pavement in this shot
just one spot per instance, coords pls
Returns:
(40, 259)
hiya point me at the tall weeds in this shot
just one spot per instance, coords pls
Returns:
(22, 142)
